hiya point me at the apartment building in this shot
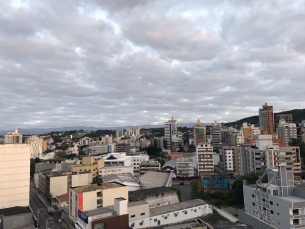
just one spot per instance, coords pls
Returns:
(286, 131)
(89, 164)
(136, 161)
(36, 145)
(149, 166)
(229, 159)
(14, 175)
(97, 150)
(171, 135)
(205, 158)
(123, 148)
(296, 158)
(94, 196)
(13, 137)
(216, 135)
(199, 132)
(184, 167)
(287, 117)
(275, 204)
(265, 154)
(57, 183)
(266, 119)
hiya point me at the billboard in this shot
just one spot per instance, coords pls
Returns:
(82, 216)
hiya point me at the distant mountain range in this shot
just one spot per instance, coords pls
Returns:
(297, 114)
(91, 128)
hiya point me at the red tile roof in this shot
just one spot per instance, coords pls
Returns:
(64, 197)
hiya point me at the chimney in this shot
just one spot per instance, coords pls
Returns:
(120, 206)
(244, 182)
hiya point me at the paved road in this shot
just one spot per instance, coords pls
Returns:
(40, 211)
(185, 190)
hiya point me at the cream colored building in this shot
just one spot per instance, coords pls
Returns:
(14, 175)
(94, 196)
(58, 183)
(89, 164)
(36, 145)
(13, 137)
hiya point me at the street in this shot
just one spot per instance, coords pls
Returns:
(40, 211)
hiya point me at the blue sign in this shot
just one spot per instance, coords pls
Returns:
(82, 216)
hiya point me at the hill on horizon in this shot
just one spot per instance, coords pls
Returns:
(297, 115)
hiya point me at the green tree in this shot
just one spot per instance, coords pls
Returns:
(153, 151)
(71, 156)
(32, 165)
(60, 154)
(191, 149)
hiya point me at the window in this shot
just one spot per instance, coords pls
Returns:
(155, 220)
(271, 211)
(132, 216)
(99, 226)
(99, 202)
(99, 194)
(143, 213)
(264, 208)
(271, 202)
(253, 195)
(277, 204)
(278, 213)
(253, 203)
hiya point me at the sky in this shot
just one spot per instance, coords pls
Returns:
(119, 63)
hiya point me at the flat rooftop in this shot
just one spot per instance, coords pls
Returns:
(99, 211)
(14, 211)
(142, 194)
(136, 203)
(94, 187)
(60, 173)
(176, 207)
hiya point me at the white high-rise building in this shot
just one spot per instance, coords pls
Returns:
(35, 143)
(13, 137)
(286, 131)
(14, 175)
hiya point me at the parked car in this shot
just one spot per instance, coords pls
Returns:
(49, 212)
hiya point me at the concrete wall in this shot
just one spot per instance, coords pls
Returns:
(58, 185)
(81, 179)
(225, 214)
(15, 221)
(257, 224)
(137, 211)
(89, 201)
(110, 194)
(115, 170)
(14, 175)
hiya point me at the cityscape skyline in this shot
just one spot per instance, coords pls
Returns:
(131, 63)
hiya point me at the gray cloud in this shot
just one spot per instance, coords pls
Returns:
(112, 63)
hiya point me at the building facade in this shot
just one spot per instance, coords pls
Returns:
(13, 137)
(14, 175)
(199, 132)
(266, 119)
(184, 167)
(286, 131)
(36, 145)
(229, 159)
(205, 158)
(136, 161)
(149, 166)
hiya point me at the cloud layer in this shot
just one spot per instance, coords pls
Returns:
(112, 63)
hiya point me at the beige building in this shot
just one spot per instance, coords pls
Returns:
(94, 196)
(89, 164)
(58, 183)
(184, 167)
(36, 144)
(14, 175)
(149, 166)
(296, 158)
(13, 137)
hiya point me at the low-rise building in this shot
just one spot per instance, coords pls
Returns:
(57, 183)
(89, 164)
(155, 197)
(153, 179)
(136, 161)
(94, 196)
(115, 170)
(126, 179)
(149, 166)
(140, 217)
(62, 201)
(113, 217)
(117, 159)
(184, 167)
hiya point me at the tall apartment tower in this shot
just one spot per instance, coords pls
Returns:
(266, 119)
(205, 159)
(199, 132)
(170, 132)
(13, 137)
(216, 135)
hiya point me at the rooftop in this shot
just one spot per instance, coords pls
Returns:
(64, 197)
(14, 211)
(152, 179)
(142, 194)
(99, 211)
(59, 173)
(176, 207)
(94, 187)
(121, 177)
(136, 203)
(170, 163)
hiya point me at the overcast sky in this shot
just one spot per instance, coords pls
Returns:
(119, 62)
